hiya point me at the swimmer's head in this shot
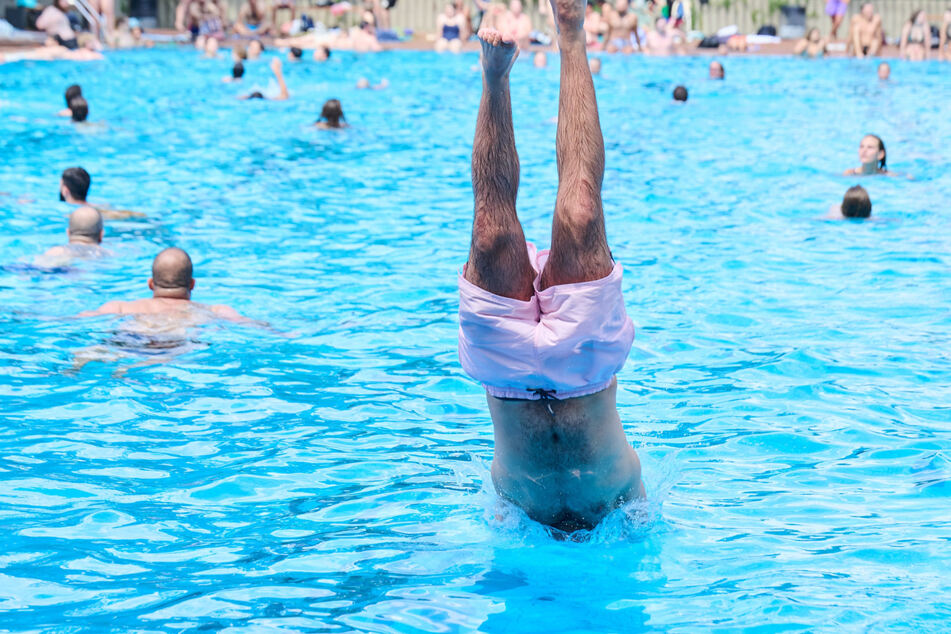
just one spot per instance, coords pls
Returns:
(872, 150)
(256, 95)
(255, 48)
(884, 71)
(856, 203)
(72, 92)
(594, 64)
(540, 60)
(868, 10)
(78, 108)
(295, 55)
(680, 93)
(172, 274)
(717, 71)
(85, 225)
(332, 113)
(74, 184)
(239, 53)
(321, 54)
(237, 71)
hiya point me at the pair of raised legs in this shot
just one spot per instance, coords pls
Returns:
(498, 259)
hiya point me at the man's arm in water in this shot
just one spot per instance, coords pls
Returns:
(108, 213)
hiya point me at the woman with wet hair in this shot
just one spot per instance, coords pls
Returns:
(812, 45)
(873, 157)
(331, 116)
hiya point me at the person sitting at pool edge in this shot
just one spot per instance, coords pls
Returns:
(74, 186)
(171, 284)
(856, 205)
(450, 26)
(873, 157)
(71, 93)
(546, 332)
(84, 235)
(865, 32)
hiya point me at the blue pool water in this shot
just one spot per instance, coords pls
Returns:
(788, 391)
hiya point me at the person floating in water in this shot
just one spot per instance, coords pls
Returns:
(84, 235)
(171, 285)
(856, 205)
(545, 332)
(74, 187)
(873, 157)
(716, 70)
(282, 94)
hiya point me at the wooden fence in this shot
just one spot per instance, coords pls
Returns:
(748, 15)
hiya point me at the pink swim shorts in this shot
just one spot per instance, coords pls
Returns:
(566, 341)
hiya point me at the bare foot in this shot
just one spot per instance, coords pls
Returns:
(498, 55)
(569, 14)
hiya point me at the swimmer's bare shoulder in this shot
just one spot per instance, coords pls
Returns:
(116, 307)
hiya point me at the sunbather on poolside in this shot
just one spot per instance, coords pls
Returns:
(546, 331)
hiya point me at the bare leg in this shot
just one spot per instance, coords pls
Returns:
(579, 245)
(498, 260)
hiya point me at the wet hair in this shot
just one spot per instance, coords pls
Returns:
(296, 53)
(172, 269)
(856, 203)
(72, 92)
(237, 71)
(327, 51)
(86, 221)
(680, 93)
(332, 113)
(77, 181)
(256, 95)
(881, 148)
(79, 108)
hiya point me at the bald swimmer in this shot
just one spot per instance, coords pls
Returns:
(545, 332)
(85, 236)
(171, 284)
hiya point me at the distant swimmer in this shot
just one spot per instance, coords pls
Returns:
(71, 93)
(321, 54)
(282, 94)
(84, 233)
(295, 54)
(364, 84)
(237, 72)
(873, 157)
(856, 205)
(716, 70)
(884, 71)
(545, 332)
(680, 94)
(171, 285)
(78, 109)
(74, 187)
(594, 65)
(331, 116)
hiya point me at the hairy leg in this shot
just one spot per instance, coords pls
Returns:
(498, 260)
(579, 245)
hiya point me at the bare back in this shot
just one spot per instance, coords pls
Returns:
(566, 463)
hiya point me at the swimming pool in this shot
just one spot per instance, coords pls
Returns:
(787, 392)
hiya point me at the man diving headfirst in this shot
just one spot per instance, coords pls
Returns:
(546, 331)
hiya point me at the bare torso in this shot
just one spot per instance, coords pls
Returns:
(567, 463)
